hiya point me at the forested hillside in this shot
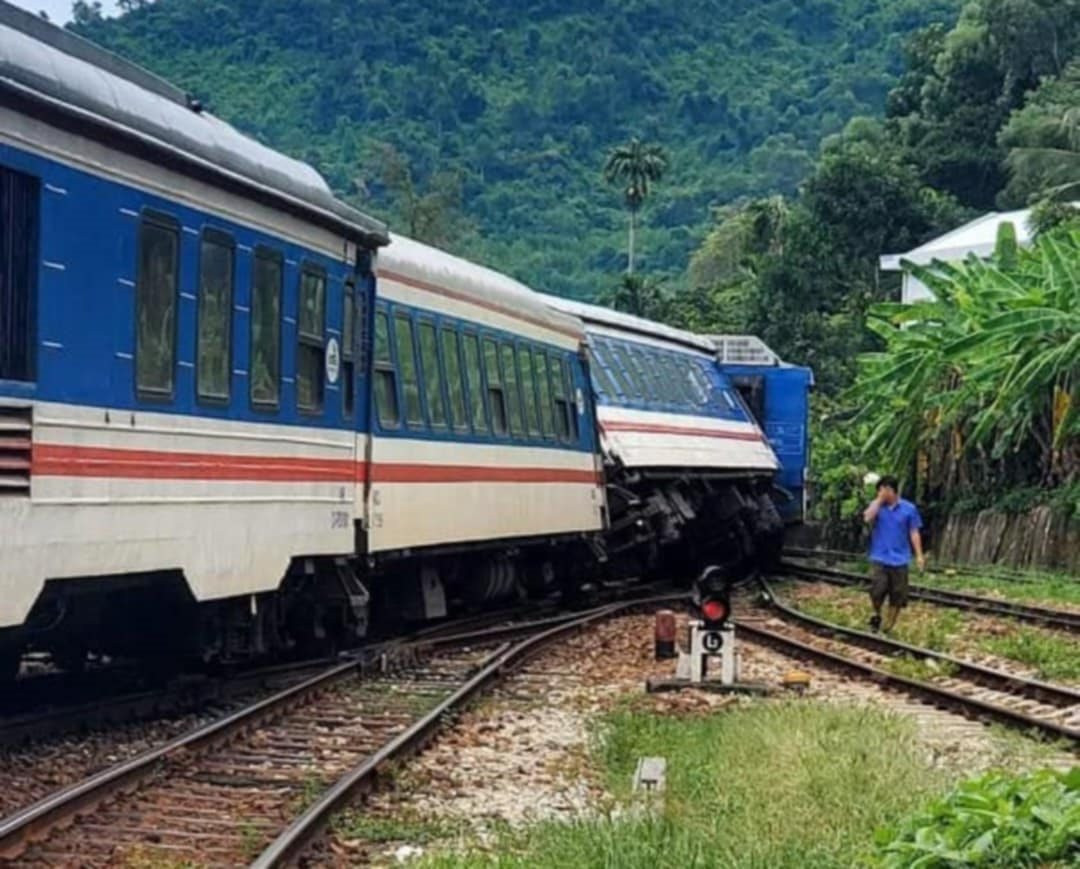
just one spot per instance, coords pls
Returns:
(513, 104)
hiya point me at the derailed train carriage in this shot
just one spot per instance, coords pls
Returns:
(237, 416)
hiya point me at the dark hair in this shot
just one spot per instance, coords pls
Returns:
(888, 482)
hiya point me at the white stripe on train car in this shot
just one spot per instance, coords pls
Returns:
(650, 439)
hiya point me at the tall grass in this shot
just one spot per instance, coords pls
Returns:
(768, 785)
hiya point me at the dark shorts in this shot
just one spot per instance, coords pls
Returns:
(888, 582)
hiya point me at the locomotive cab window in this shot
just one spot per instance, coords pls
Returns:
(410, 380)
(20, 198)
(310, 350)
(496, 396)
(155, 306)
(217, 257)
(386, 399)
(433, 381)
(267, 277)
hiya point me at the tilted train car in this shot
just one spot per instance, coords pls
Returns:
(483, 465)
(685, 461)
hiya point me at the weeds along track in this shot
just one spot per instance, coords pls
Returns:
(1065, 620)
(974, 690)
(256, 786)
(984, 571)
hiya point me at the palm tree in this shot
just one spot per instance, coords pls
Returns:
(635, 165)
(1055, 161)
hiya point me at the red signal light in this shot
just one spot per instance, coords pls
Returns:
(714, 610)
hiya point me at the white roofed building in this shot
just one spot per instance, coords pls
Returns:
(977, 237)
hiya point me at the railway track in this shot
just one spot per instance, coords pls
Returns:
(258, 785)
(994, 571)
(1051, 710)
(1053, 618)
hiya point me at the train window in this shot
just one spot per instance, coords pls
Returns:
(475, 383)
(20, 208)
(513, 390)
(699, 385)
(675, 381)
(543, 378)
(455, 383)
(601, 379)
(640, 360)
(406, 357)
(627, 373)
(571, 400)
(528, 390)
(496, 397)
(311, 337)
(562, 413)
(386, 400)
(266, 327)
(433, 380)
(155, 305)
(217, 256)
(348, 345)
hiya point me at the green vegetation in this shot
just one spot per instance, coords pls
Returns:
(1036, 587)
(1055, 657)
(633, 168)
(983, 382)
(997, 820)
(768, 784)
(524, 99)
(932, 627)
(360, 824)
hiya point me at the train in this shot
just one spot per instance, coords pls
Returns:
(239, 417)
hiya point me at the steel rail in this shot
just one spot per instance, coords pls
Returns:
(1061, 619)
(28, 825)
(295, 838)
(975, 673)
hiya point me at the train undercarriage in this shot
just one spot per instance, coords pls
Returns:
(662, 524)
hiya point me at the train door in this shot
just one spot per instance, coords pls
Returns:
(19, 218)
(359, 331)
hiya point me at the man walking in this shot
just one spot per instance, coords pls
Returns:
(894, 531)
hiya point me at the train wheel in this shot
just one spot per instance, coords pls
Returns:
(70, 659)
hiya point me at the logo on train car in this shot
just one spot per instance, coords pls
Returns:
(333, 361)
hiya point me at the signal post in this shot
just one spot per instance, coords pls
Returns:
(712, 641)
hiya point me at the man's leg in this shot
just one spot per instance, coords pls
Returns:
(898, 595)
(879, 589)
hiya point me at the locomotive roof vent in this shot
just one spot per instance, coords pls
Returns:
(743, 350)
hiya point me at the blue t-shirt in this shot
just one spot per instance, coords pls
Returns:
(890, 536)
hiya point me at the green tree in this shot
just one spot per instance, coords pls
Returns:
(638, 295)
(635, 167)
(432, 213)
(1043, 139)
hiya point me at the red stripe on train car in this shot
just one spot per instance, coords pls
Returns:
(657, 428)
(53, 460)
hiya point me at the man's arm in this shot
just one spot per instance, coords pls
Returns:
(916, 544)
(870, 513)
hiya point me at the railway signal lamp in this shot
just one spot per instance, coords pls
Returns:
(712, 635)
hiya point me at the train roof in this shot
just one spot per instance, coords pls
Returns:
(629, 323)
(58, 71)
(473, 283)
